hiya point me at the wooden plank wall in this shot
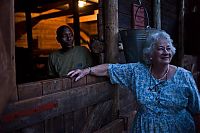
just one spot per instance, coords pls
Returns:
(60, 105)
(44, 30)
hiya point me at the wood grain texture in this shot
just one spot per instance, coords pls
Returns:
(7, 51)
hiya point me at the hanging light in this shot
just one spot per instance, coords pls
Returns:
(81, 3)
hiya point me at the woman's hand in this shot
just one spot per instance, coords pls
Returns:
(78, 73)
(100, 70)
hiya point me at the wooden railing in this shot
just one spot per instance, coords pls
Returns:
(62, 105)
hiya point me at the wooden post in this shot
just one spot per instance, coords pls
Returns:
(76, 24)
(156, 14)
(111, 41)
(29, 29)
(100, 20)
(180, 51)
(7, 52)
(111, 31)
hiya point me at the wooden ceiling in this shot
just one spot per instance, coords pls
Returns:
(64, 6)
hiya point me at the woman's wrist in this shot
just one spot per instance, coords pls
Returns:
(89, 70)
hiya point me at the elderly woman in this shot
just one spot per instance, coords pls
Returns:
(166, 94)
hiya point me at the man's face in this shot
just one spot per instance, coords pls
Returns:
(66, 38)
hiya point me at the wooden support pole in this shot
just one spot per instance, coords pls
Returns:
(100, 21)
(111, 42)
(157, 14)
(111, 31)
(29, 29)
(180, 51)
(76, 24)
(101, 33)
(7, 52)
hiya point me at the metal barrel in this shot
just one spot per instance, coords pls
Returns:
(133, 43)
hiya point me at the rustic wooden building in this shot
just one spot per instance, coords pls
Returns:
(32, 103)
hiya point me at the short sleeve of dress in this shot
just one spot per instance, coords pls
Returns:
(122, 74)
(194, 97)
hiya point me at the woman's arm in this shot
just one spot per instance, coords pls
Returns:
(99, 70)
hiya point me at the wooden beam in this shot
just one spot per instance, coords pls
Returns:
(86, 9)
(49, 6)
(36, 6)
(87, 18)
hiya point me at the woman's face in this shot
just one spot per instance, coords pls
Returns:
(162, 53)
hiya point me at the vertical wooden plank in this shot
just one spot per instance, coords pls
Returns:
(80, 117)
(97, 117)
(95, 79)
(29, 90)
(7, 52)
(116, 126)
(78, 83)
(67, 83)
(115, 106)
(14, 96)
(55, 125)
(36, 128)
(69, 122)
(51, 86)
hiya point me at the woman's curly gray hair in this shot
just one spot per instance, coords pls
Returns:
(151, 41)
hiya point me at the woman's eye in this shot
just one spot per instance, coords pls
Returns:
(163, 48)
(160, 48)
(168, 49)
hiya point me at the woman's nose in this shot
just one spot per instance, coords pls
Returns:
(165, 50)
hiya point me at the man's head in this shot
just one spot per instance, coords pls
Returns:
(65, 36)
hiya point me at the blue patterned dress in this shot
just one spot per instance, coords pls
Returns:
(164, 106)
